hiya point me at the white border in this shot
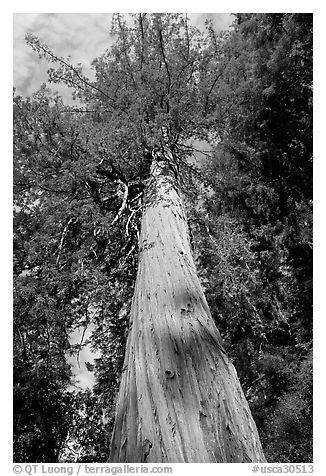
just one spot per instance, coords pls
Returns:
(319, 187)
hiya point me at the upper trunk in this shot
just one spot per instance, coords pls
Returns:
(180, 399)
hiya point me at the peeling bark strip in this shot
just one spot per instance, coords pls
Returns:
(180, 399)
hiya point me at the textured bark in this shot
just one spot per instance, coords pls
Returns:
(180, 399)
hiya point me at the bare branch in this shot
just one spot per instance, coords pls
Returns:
(211, 89)
(63, 235)
(130, 217)
(124, 202)
(164, 59)
(126, 257)
(187, 35)
(82, 338)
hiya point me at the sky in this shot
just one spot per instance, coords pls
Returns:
(83, 36)
(79, 35)
(83, 378)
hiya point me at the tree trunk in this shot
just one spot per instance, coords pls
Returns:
(180, 399)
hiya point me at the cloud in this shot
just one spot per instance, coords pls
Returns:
(83, 36)
(221, 21)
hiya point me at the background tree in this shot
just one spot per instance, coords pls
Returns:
(257, 256)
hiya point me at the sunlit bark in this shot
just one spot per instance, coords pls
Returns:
(180, 399)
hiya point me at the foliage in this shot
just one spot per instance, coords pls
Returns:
(65, 247)
(255, 244)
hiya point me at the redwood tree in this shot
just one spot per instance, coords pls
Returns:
(180, 399)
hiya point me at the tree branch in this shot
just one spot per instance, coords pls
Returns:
(36, 45)
(63, 235)
(124, 202)
(164, 59)
(211, 89)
